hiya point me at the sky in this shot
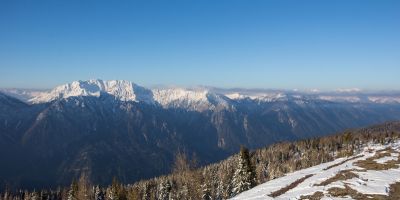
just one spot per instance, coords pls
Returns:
(275, 44)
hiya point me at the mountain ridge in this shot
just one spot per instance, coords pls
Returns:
(105, 136)
(198, 99)
(125, 91)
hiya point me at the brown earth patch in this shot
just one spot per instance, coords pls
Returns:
(342, 175)
(316, 196)
(387, 150)
(290, 186)
(394, 193)
(372, 165)
(337, 164)
(348, 191)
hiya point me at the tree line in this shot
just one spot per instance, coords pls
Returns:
(227, 178)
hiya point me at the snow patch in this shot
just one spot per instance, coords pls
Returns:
(368, 182)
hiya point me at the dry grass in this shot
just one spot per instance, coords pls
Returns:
(337, 164)
(348, 191)
(290, 186)
(367, 164)
(394, 193)
(371, 164)
(316, 196)
(387, 150)
(342, 175)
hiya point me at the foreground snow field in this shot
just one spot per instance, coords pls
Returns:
(366, 175)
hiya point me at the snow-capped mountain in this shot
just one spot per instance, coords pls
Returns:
(23, 94)
(199, 99)
(123, 90)
(260, 97)
(191, 99)
(332, 97)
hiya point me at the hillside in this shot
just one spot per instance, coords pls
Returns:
(119, 129)
(373, 173)
(351, 158)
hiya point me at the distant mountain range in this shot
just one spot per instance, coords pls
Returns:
(189, 97)
(118, 128)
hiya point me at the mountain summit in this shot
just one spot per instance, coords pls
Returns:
(190, 99)
(123, 90)
(199, 99)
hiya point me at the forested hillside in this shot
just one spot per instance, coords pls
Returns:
(107, 129)
(229, 177)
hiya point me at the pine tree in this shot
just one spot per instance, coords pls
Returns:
(164, 190)
(220, 190)
(84, 191)
(98, 193)
(146, 192)
(26, 195)
(206, 193)
(112, 192)
(244, 176)
(34, 196)
(73, 191)
(134, 193)
(5, 197)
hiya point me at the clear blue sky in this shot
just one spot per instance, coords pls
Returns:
(224, 43)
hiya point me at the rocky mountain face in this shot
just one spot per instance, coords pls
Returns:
(117, 128)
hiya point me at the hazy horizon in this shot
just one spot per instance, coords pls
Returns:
(232, 89)
(262, 44)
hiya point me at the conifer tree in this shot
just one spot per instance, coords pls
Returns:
(35, 196)
(206, 193)
(146, 192)
(98, 193)
(26, 195)
(113, 192)
(73, 191)
(164, 190)
(220, 190)
(134, 193)
(244, 176)
(84, 191)
(5, 197)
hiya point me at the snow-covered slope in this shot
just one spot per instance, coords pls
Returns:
(368, 174)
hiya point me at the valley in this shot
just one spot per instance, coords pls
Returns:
(109, 129)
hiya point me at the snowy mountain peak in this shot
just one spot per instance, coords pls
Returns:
(123, 90)
(262, 97)
(191, 99)
(200, 99)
